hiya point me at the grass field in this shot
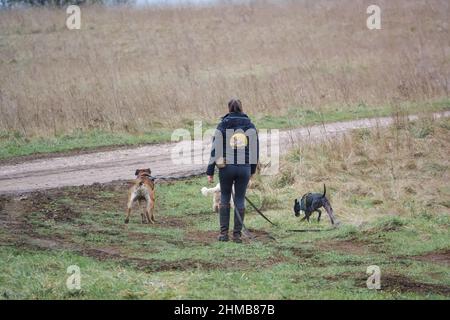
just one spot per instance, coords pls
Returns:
(388, 187)
(131, 75)
(136, 70)
(13, 145)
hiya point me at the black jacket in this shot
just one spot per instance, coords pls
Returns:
(242, 123)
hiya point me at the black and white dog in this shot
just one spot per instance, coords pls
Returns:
(311, 202)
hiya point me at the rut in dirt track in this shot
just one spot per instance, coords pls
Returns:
(107, 166)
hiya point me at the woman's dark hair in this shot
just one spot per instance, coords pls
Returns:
(235, 105)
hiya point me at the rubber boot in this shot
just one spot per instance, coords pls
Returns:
(237, 231)
(224, 218)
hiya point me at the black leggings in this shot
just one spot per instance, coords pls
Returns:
(240, 176)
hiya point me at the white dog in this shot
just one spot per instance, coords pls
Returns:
(216, 196)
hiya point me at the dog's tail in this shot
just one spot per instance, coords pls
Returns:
(324, 191)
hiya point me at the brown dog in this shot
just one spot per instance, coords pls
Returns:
(143, 189)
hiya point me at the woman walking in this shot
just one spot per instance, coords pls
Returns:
(235, 152)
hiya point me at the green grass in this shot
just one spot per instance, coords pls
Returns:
(16, 145)
(405, 234)
(183, 259)
(297, 117)
(42, 275)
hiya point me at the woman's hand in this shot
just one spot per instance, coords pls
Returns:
(210, 179)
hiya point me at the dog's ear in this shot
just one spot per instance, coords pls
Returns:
(149, 171)
(295, 201)
(137, 172)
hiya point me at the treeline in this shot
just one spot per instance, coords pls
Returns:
(58, 3)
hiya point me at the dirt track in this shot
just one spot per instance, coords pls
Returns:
(103, 167)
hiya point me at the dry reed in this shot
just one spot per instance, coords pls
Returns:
(134, 69)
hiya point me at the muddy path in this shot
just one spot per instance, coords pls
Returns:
(120, 164)
(39, 221)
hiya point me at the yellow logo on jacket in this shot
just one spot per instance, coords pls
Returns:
(238, 140)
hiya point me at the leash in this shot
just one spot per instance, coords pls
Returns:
(196, 173)
(202, 172)
(247, 232)
(259, 211)
(236, 214)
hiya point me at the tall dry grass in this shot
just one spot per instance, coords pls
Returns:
(133, 69)
(399, 171)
